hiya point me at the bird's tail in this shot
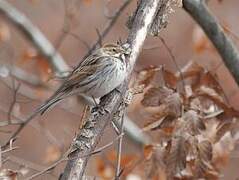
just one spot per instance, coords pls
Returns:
(49, 103)
(63, 92)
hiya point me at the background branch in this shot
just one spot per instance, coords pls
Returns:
(23, 24)
(225, 47)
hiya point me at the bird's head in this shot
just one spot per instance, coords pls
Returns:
(116, 50)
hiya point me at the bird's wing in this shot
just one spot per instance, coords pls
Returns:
(88, 67)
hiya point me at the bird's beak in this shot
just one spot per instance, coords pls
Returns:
(127, 49)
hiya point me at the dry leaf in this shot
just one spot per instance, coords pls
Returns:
(205, 150)
(147, 75)
(210, 80)
(203, 166)
(221, 130)
(103, 170)
(176, 160)
(8, 174)
(200, 41)
(170, 79)
(155, 96)
(44, 68)
(194, 124)
(153, 125)
(174, 104)
(148, 151)
(192, 69)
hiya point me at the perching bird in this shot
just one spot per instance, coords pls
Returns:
(97, 75)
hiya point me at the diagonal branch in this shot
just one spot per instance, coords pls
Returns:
(225, 47)
(35, 36)
(90, 134)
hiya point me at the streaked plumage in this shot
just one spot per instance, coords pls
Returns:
(97, 75)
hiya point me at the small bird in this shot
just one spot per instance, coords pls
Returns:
(97, 75)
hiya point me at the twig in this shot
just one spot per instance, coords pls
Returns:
(119, 150)
(10, 149)
(90, 134)
(109, 26)
(174, 61)
(14, 99)
(64, 158)
(34, 35)
(47, 169)
(225, 47)
(131, 129)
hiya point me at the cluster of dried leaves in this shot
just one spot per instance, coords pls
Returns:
(195, 126)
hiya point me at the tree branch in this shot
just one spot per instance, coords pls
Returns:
(225, 47)
(35, 36)
(90, 134)
(55, 59)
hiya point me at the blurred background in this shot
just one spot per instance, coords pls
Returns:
(47, 137)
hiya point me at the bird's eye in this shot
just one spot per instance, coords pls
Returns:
(114, 50)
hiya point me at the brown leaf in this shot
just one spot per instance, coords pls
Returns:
(153, 125)
(155, 96)
(8, 174)
(192, 69)
(44, 68)
(174, 104)
(176, 160)
(211, 94)
(194, 124)
(210, 80)
(221, 130)
(204, 169)
(200, 41)
(104, 170)
(203, 165)
(170, 79)
(153, 166)
(147, 75)
(125, 159)
(29, 54)
(205, 150)
(148, 151)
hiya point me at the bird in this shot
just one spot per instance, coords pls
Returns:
(97, 75)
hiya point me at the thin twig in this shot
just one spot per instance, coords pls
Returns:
(47, 169)
(14, 99)
(174, 61)
(119, 150)
(109, 26)
(64, 158)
